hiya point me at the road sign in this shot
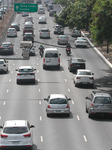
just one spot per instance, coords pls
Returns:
(19, 7)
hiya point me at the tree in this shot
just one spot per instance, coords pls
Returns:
(101, 27)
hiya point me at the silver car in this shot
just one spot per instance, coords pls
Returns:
(45, 33)
(25, 73)
(11, 32)
(98, 103)
(57, 104)
(16, 133)
(62, 39)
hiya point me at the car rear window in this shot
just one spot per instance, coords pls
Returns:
(102, 100)
(84, 73)
(15, 130)
(47, 55)
(25, 70)
(58, 101)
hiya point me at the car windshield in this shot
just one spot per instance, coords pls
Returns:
(15, 130)
(47, 55)
(102, 100)
(25, 70)
(44, 30)
(84, 73)
(58, 101)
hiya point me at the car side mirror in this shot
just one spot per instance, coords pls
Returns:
(69, 99)
(1, 127)
(86, 97)
(45, 99)
(16, 69)
(32, 126)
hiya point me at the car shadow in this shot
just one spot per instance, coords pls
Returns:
(61, 116)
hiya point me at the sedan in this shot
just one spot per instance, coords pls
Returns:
(81, 42)
(84, 77)
(42, 19)
(25, 73)
(6, 48)
(16, 26)
(16, 133)
(57, 104)
(62, 39)
(76, 63)
(11, 32)
(45, 33)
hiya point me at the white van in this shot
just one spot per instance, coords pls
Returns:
(51, 58)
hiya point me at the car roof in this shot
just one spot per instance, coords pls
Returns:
(15, 23)
(101, 93)
(15, 123)
(1, 59)
(51, 48)
(77, 59)
(27, 67)
(6, 43)
(57, 96)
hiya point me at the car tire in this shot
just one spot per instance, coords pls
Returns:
(89, 115)
(86, 110)
(17, 82)
(68, 115)
(48, 115)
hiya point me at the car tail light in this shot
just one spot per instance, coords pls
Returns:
(78, 77)
(44, 60)
(91, 78)
(71, 64)
(10, 47)
(1, 47)
(58, 59)
(18, 74)
(27, 135)
(48, 106)
(91, 104)
(68, 106)
(4, 136)
(28, 145)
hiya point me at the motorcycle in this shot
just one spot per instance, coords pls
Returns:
(41, 48)
(68, 51)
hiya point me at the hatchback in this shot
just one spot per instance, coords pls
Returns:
(3, 65)
(84, 77)
(76, 63)
(63, 39)
(6, 48)
(52, 13)
(45, 33)
(42, 19)
(99, 103)
(11, 32)
(57, 104)
(16, 133)
(25, 74)
(28, 37)
(16, 26)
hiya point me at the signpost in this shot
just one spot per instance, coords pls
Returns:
(19, 7)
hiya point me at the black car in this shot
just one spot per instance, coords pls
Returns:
(28, 37)
(1, 16)
(52, 13)
(16, 26)
(76, 63)
(6, 48)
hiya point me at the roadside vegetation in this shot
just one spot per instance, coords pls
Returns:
(94, 16)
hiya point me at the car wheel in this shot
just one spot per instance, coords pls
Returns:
(86, 110)
(89, 115)
(17, 82)
(33, 82)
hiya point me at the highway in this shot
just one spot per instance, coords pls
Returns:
(25, 101)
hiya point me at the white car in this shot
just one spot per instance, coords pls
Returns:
(81, 42)
(45, 33)
(41, 10)
(84, 77)
(11, 32)
(42, 19)
(16, 133)
(25, 73)
(57, 104)
(3, 65)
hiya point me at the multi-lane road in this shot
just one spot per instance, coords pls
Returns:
(77, 132)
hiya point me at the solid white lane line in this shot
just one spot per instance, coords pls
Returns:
(68, 90)
(78, 117)
(40, 118)
(4, 103)
(41, 138)
(40, 102)
(72, 102)
(85, 139)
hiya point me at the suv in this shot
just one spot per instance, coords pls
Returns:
(3, 65)
(99, 103)
(28, 29)
(76, 33)
(76, 63)
(58, 29)
(28, 37)
(16, 133)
